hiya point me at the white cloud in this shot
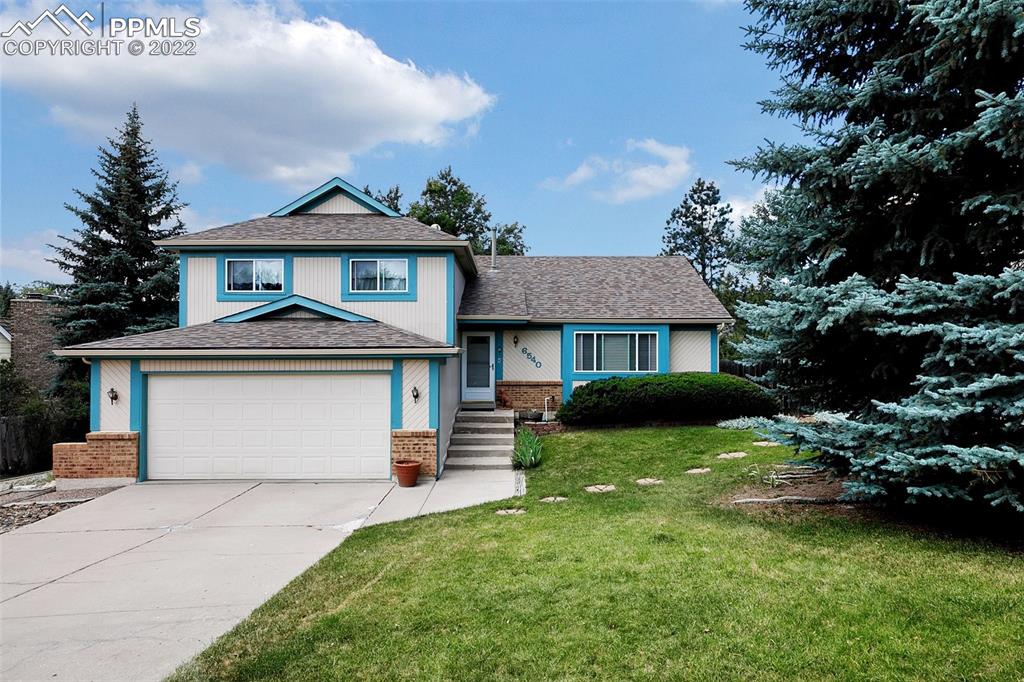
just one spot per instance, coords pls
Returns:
(628, 179)
(23, 260)
(270, 93)
(188, 173)
(743, 204)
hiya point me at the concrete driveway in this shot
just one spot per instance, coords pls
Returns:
(134, 583)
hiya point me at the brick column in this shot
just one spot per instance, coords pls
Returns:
(419, 445)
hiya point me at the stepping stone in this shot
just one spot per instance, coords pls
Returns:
(732, 455)
(510, 512)
(649, 481)
(766, 443)
(701, 470)
(553, 498)
(599, 488)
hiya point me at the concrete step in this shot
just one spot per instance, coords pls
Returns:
(483, 438)
(477, 463)
(480, 450)
(482, 427)
(488, 416)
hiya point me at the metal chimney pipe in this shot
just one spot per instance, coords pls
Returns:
(494, 248)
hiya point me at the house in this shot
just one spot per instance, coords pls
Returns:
(334, 335)
(5, 344)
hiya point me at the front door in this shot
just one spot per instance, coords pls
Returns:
(478, 366)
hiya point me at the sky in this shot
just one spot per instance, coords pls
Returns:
(586, 122)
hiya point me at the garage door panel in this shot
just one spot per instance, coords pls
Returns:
(274, 426)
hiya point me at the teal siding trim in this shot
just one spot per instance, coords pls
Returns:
(182, 289)
(95, 395)
(137, 414)
(499, 355)
(276, 371)
(569, 373)
(332, 185)
(347, 294)
(299, 302)
(396, 395)
(449, 278)
(224, 295)
(491, 323)
(714, 350)
(278, 356)
(435, 394)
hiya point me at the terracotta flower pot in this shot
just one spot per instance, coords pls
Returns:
(407, 470)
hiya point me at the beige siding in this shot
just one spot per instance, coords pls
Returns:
(689, 350)
(339, 203)
(416, 413)
(577, 384)
(203, 305)
(115, 374)
(5, 348)
(546, 347)
(263, 365)
(451, 397)
(319, 278)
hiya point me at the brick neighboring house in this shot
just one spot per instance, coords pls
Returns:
(32, 339)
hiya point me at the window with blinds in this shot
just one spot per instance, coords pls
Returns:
(616, 352)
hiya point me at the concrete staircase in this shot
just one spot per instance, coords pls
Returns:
(482, 439)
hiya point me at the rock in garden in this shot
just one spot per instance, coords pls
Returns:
(733, 455)
(599, 488)
(649, 481)
(701, 470)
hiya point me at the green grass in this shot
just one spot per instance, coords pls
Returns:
(661, 582)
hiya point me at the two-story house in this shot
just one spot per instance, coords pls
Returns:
(334, 335)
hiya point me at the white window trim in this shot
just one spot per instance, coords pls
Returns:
(254, 290)
(379, 290)
(636, 352)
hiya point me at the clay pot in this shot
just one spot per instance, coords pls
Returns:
(407, 470)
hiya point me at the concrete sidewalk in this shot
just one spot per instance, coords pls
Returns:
(133, 584)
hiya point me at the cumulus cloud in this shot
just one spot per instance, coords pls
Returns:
(23, 260)
(270, 92)
(625, 178)
(188, 173)
(743, 204)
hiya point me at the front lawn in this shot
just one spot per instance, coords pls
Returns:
(640, 583)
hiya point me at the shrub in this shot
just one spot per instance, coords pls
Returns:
(678, 398)
(527, 453)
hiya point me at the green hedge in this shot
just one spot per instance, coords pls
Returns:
(687, 397)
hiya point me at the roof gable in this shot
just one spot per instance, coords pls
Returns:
(289, 304)
(330, 189)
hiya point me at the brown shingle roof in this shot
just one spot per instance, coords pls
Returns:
(316, 227)
(266, 334)
(590, 287)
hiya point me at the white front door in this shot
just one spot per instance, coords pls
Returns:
(478, 366)
(269, 426)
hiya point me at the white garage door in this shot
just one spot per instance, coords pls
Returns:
(269, 426)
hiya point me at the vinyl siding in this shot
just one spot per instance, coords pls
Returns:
(203, 305)
(690, 350)
(545, 345)
(115, 374)
(451, 398)
(339, 203)
(310, 365)
(416, 413)
(5, 348)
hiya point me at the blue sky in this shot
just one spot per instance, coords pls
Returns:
(585, 122)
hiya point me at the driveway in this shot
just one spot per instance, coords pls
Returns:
(136, 582)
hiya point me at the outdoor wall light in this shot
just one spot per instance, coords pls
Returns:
(415, 394)
(112, 394)
(515, 341)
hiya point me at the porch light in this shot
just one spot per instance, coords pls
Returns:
(515, 340)
(415, 394)
(112, 394)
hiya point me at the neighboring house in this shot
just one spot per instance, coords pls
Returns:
(32, 339)
(5, 344)
(334, 335)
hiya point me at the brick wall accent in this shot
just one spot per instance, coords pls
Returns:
(544, 428)
(529, 395)
(104, 454)
(417, 445)
(32, 340)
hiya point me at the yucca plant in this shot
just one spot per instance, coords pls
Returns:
(527, 453)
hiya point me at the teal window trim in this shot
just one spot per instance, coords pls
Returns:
(138, 407)
(569, 373)
(224, 295)
(95, 395)
(435, 394)
(347, 294)
(499, 354)
(449, 278)
(714, 350)
(297, 301)
(321, 193)
(396, 395)
(182, 289)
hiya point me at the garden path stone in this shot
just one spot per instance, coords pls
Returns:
(510, 512)
(766, 443)
(553, 499)
(732, 455)
(600, 488)
(700, 470)
(649, 481)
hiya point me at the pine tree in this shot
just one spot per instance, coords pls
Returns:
(392, 198)
(121, 282)
(698, 228)
(902, 214)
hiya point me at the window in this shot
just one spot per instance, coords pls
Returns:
(616, 352)
(380, 274)
(251, 274)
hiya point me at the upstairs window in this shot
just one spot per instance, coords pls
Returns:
(253, 274)
(616, 352)
(380, 274)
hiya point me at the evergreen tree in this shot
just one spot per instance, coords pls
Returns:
(903, 210)
(7, 295)
(121, 282)
(698, 228)
(392, 198)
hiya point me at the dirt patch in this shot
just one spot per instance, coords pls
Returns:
(813, 485)
(20, 508)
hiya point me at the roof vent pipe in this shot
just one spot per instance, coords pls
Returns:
(494, 248)
(436, 227)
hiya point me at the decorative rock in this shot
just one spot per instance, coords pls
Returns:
(766, 443)
(732, 455)
(701, 470)
(649, 481)
(510, 512)
(599, 488)
(553, 498)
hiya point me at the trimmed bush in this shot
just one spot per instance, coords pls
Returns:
(679, 398)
